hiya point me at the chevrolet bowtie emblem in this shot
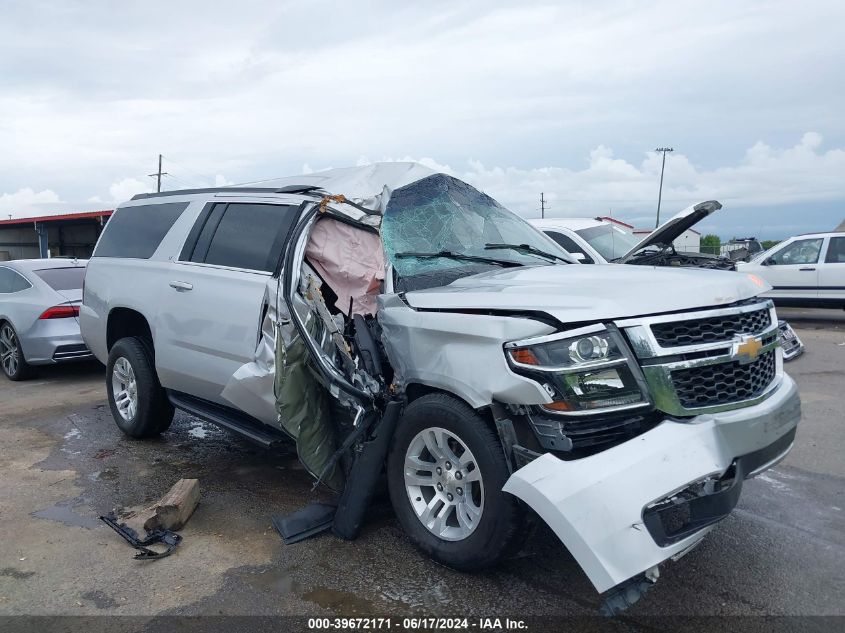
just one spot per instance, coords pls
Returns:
(746, 349)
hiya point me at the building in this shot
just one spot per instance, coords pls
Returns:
(54, 235)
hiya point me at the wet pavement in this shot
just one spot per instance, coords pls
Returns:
(63, 462)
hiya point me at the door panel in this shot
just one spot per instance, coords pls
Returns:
(793, 270)
(832, 270)
(206, 332)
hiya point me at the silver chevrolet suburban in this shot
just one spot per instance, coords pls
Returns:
(396, 322)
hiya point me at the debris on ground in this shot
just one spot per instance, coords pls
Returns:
(157, 523)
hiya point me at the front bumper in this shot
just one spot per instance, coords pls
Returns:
(607, 508)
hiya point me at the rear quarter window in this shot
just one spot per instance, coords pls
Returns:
(11, 281)
(136, 232)
(62, 278)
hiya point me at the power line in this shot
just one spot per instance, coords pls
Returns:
(204, 177)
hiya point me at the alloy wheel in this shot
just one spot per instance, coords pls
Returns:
(444, 484)
(124, 388)
(9, 350)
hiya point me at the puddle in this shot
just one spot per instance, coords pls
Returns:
(63, 512)
(272, 580)
(100, 599)
(422, 595)
(341, 602)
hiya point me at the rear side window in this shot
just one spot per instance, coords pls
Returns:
(249, 236)
(11, 281)
(836, 251)
(136, 232)
(62, 278)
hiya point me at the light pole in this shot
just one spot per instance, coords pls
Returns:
(660, 192)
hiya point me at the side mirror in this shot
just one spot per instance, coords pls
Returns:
(768, 261)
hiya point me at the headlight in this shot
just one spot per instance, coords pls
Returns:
(589, 370)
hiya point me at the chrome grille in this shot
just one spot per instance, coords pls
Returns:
(711, 329)
(697, 362)
(724, 383)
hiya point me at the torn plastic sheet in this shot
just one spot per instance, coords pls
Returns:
(368, 185)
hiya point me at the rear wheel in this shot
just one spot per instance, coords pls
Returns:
(446, 470)
(138, 403)
(11, 355)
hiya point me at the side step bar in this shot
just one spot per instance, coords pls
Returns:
(229, 419)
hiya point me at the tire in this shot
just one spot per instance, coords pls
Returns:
(149, 413)
(457, 542)
(12, 360)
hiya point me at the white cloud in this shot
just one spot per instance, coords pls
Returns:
(26, 202)
(221, 181)
(124, 189)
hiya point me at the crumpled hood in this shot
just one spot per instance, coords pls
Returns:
(573, 293)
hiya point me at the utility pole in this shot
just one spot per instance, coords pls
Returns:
(158, 175)
(660, 193)
(542, 205)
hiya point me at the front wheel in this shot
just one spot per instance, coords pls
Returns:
(138, 403)
(446, 470)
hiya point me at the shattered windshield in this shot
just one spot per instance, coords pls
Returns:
(439, 229)
(610, 241)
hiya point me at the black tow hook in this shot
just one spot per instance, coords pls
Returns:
(170, 539)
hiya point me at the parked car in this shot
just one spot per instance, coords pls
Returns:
(39, 310)
(599, 241)
(624, 405)
(806, 270)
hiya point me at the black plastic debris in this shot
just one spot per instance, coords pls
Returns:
(306, 522)
(165, 537)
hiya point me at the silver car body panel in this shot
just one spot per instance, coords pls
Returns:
(595, 504)
(447, 351)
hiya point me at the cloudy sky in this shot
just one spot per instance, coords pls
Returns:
(568, 99)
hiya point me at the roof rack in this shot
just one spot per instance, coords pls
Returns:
(301, 189)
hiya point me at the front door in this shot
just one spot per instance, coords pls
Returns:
(793, 270)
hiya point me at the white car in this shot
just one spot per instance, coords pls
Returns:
(805, 270)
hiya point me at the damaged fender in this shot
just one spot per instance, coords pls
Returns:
(596, 504)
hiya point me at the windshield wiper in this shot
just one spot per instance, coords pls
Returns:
(526, 248)
(453, 255)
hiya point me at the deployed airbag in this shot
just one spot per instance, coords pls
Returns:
(350, 261)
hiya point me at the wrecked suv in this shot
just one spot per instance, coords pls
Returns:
(396, 321)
